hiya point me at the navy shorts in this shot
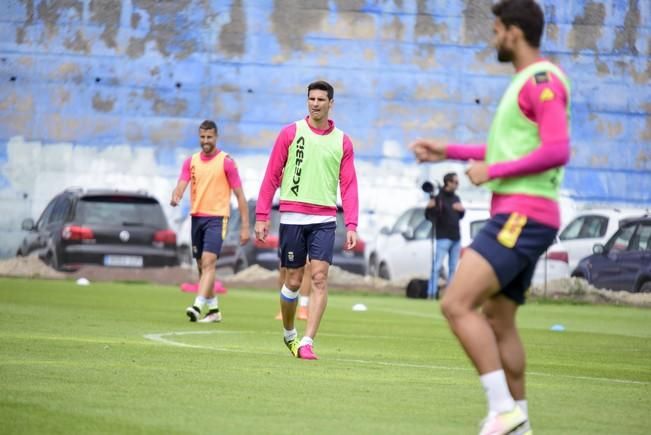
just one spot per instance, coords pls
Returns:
(512, 244)
(299, 241)
(207, 234)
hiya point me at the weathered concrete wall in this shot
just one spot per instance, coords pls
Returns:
(95, 92)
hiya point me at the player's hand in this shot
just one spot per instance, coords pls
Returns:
(176, 199)
(245, 235)
(261, 230)
(351, 239)
(477, 172)
(427, 150)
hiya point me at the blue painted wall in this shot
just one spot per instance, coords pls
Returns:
(101, 75)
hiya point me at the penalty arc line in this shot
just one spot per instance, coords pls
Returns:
(161, 338)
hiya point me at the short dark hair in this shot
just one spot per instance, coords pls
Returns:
(322, 85)
(526, 14)
(208, 125)
(449, 177)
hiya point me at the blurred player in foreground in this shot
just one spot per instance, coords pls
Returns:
(522, 164)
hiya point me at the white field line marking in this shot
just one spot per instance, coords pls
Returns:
(160, 338)
(437, 316)
(590, 378)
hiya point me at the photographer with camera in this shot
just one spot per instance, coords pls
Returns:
(445, 211)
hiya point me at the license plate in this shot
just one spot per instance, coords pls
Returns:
(123, 260)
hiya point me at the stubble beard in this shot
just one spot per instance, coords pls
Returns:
(504, 55)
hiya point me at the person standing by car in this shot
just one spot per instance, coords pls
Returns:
(522, 164)
(309, 160)
(212, 175)
(445, 211)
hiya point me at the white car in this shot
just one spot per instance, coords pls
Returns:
(552, 265)
(404, 251)
(407, 221)
(589, 227)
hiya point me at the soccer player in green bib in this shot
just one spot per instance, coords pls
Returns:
(309, 161)
(522, 165)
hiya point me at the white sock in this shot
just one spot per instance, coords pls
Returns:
(199, 302)
(497, 392)
(290, 334)
(305, 340)
(303, 301)
(524, 406)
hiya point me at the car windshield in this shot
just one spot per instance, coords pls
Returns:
(120, 210)
(423, 230)
(642, 239)
(619, 242)
(409, 219)
(585, 227)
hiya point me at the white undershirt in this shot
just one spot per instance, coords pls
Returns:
(292, 218)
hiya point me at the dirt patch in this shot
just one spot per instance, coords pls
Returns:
(33, 267)
(571, 289)
(28, 267)
(259, 277)
(155, 275)
(577, 289)
(252, 277)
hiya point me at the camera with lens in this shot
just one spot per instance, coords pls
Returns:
(430, 188)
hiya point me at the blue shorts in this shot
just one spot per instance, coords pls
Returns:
(208, 233)
(512, 244)
(299, 241)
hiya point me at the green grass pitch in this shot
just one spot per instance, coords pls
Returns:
(121, 358)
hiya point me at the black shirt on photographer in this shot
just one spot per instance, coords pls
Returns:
(444, 217)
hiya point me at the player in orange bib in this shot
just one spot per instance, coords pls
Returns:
(212, 175)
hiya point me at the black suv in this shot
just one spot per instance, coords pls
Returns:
(265, 254)
(101, 227)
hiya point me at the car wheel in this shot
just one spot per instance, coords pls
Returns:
(383, 272)
(52, 260)
(646, 287)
